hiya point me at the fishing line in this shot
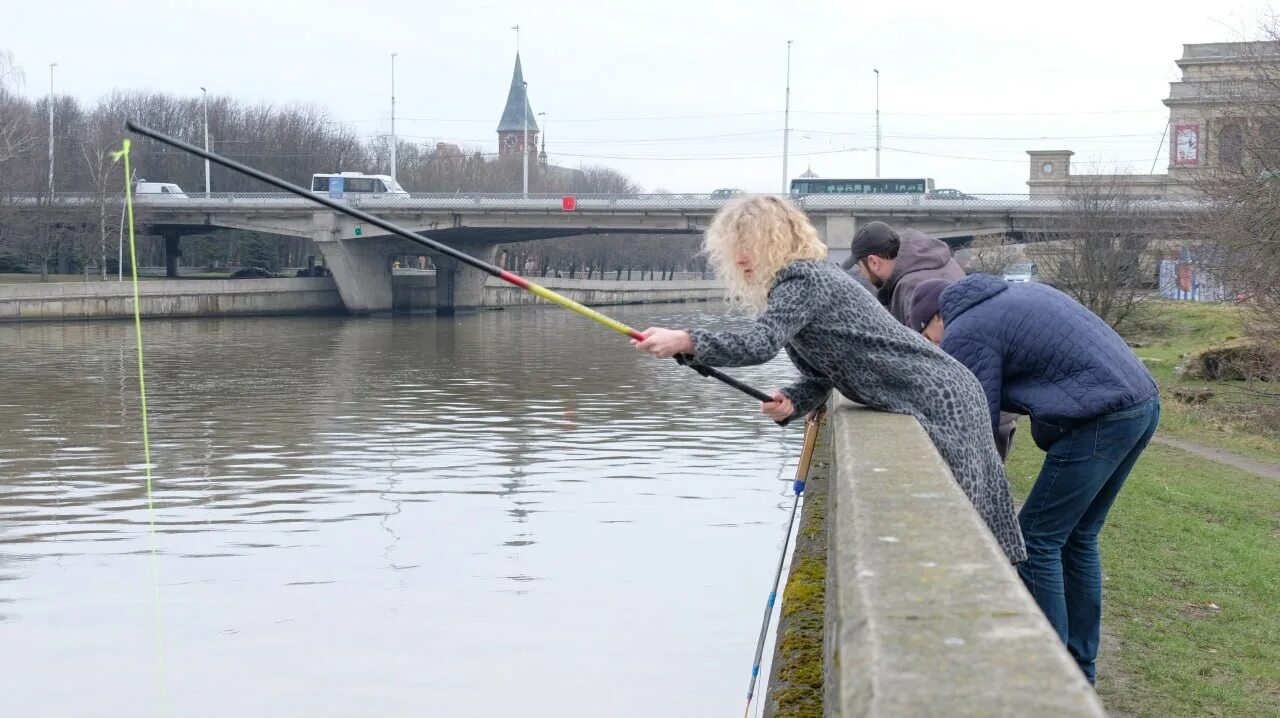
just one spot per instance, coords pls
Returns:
(802, 472)
(123, 153)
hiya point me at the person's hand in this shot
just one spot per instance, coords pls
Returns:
(664, 343)
(780, 409)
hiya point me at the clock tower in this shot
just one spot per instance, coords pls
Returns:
(515, 117)
(1050, 172)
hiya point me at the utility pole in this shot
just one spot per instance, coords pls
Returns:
(206, 139)
(51, 66)
(393, 119)
(786, 123)
(877, 123)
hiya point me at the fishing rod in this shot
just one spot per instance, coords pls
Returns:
(802, 471)
(509, 277)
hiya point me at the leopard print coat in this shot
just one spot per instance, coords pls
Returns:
(838, 335)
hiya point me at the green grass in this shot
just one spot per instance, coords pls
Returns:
(1232, 419)
(1186, 535)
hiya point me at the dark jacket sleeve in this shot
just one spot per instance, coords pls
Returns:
(985, 363)
(792, 304)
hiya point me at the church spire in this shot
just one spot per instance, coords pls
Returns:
(518, 111)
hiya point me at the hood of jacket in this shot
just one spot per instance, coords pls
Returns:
(969, 293)
(917, 252)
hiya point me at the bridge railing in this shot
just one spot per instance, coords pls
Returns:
(471, 201)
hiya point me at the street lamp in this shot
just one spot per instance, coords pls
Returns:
(205, 95)
(525, 86)
(393, 118)
(877, 122)
(786, 122)
(51, 66)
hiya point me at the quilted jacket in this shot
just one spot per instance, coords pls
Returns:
(1037, 351)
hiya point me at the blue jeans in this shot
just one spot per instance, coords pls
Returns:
(1082, 474)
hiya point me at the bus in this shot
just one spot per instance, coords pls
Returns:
(800, 187)
(357, 183)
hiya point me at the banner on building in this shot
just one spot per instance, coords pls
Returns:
(1183, 279)
(1186, 144)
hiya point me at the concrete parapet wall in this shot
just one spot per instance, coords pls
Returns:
(417, 292)
(305, 295)
(169, 298)
(924, 614)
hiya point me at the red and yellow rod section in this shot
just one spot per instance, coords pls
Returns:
(568, 303)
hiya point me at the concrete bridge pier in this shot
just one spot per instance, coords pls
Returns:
(836, 232)
(460, 287)
(172, 251)
(362, 270)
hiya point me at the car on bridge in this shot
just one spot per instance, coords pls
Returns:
(726, 193)
(948, 194)
(158, 190)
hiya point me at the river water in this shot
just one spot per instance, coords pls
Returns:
(511, 513)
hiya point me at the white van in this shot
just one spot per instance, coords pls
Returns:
(168, 189)
(357, 183)
(1021, 273)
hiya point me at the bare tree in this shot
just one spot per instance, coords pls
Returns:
(106, 179)
(596, 179)
(289, 141)
(1100, 248)
(1242, 189)
(990, 255)
(17, 133)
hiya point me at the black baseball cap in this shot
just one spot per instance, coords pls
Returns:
(872, 238)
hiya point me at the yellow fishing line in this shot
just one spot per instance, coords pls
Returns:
(137, 319)
(142, 392)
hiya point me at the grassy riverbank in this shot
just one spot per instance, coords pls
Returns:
(1235, 418)
(1191, 554)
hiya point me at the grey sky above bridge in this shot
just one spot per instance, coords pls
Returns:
(686, 96)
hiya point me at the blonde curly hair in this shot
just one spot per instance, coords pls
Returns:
(770, 230)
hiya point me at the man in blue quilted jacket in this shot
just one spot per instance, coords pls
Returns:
(1093, 408)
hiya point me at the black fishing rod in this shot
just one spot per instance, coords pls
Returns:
(444, 249)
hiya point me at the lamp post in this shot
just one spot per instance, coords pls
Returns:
(877, 123)
(51, 66)
(393, 118)
(786, 122)
(205, 94)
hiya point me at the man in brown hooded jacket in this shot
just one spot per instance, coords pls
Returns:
(895, 263)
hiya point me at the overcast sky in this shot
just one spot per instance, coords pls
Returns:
(685, 95)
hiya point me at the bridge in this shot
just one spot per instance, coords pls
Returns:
(477, 224)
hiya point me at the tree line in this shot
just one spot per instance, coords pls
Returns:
(289, 141)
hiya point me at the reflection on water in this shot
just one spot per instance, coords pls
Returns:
(513, 512)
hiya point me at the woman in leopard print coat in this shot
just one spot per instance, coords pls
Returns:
(839, 336)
